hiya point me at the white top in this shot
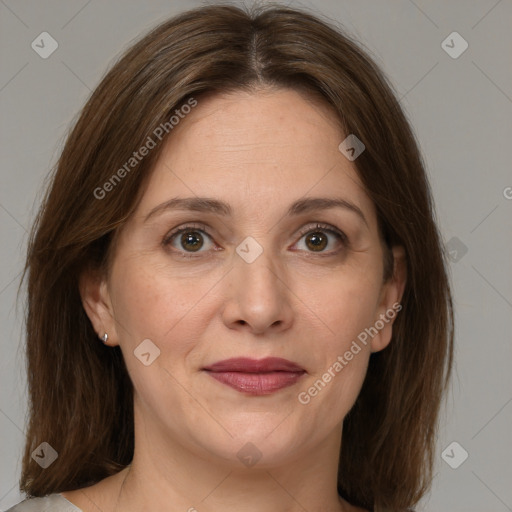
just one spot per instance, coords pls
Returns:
(50, 503)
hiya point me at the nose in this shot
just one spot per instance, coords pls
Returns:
(258, 297)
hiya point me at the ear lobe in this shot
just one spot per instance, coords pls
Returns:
(389, 306)
(97, 305)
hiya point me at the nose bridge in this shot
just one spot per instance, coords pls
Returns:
(257, 266)
(259, 294)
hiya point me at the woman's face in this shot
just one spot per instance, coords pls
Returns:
(253, 278)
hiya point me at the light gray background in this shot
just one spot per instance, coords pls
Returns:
(461, 110)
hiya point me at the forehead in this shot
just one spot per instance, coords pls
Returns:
(252, 148)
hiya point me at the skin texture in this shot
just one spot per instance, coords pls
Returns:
(259, 152)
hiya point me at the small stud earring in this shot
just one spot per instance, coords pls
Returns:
(104, 338)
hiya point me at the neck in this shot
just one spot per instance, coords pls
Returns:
(164, 475)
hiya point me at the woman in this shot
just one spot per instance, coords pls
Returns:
(237, 295)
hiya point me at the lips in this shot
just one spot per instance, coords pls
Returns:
(256, 376)
(246, 365)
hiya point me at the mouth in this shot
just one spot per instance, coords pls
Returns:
(256, 376)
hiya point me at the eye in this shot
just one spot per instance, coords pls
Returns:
(317, 238)
(188, 239)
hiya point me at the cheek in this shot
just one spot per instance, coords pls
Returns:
(346, 303)
(346, 306)
(337, 375)
(165, 307)
(150, 303)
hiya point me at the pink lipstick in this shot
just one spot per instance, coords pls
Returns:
(256, 376)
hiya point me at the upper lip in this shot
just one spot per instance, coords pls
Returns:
(247, 365)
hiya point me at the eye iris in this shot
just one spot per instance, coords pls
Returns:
(318, 239)
(193, 238)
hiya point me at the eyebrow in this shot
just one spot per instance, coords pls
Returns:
(210, 205)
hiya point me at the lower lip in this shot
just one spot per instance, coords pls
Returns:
(257, 383)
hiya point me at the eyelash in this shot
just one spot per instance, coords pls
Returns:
(327, 228)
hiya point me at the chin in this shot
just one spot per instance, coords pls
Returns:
(253, 443)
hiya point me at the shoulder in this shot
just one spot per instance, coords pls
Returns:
(51, 503)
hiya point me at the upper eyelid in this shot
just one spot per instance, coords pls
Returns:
(325, 226)
(204, 227)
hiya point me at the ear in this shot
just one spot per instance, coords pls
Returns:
(97, 304)
(389, 303)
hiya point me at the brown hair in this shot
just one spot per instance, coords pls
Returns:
(81, 397)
